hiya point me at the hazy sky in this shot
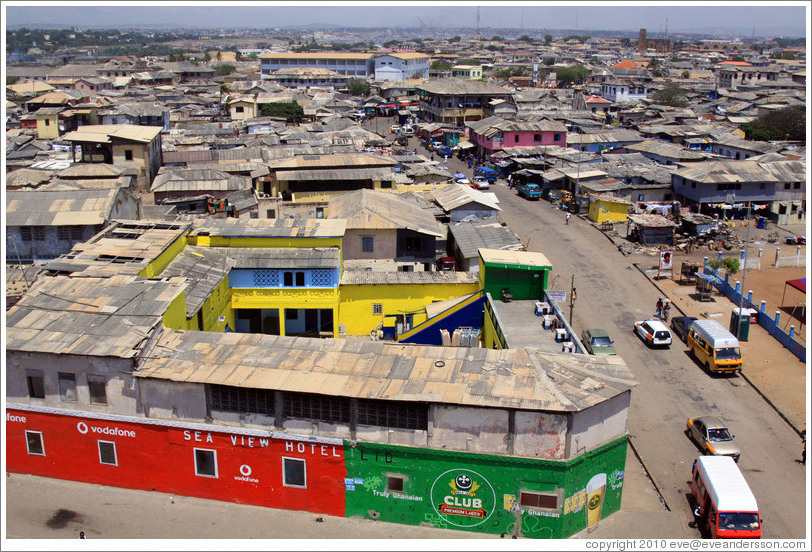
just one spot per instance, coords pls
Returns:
(769, 18)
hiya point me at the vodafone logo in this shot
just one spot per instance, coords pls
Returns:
(245, 469)
(82, 428)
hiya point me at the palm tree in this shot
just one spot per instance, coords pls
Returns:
(223, 90)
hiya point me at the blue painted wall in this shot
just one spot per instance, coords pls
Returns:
(274, 278)
(469, 316)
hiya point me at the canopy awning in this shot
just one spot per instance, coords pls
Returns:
(799, 284)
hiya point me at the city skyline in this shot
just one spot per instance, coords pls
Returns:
(788, 19)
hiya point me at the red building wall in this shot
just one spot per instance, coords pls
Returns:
(160, 456)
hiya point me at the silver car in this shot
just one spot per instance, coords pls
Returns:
(712, 437)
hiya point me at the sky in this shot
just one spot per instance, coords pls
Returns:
(776, 18)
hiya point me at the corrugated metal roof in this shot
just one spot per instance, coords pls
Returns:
(372, 209)
(319, 55)
(270, 228)
(337, 174)
(666, 149)
(335, 161)
(523, 379)
(104, 133)
(59, 208)
(456, 196)
(89, 316)
(366, 277)
(470, 236)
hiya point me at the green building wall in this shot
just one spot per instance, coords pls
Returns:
(477, 492)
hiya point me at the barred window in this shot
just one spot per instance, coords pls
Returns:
(393, 414)
(76, 233)
(39, 233)
(316, 407)
(321, 278)
(25, 233)
(377, 308)
(63, 232)
(237, 399)
(263, 278)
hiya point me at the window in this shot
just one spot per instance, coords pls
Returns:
(537, 137)
(36, 384)
(25, 233)
(539, 500)
(299, 279)
(33, 440)
(67, 387)
(294, 472)
(316, 407)
(515, 137)
(128, 155)
(556, 138)
(47, 122)
(392, 414)
(97, 385)
(394, 483)
(377, 308)
(63, 232)
(240, 399)
(796, 186)
(205, 463)
(239, 109)
(39, 233)
(367, 243)
(107, 453)
(413, 244)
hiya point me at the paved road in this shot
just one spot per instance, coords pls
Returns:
(613, 294)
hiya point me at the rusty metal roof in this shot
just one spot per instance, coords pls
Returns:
(270, 228)
(59, 208)
(526, 379)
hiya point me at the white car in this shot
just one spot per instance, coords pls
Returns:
(653, 332)
(481, 183)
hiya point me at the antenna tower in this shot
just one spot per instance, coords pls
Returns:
(477, 22)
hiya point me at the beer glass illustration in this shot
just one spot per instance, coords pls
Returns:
(595, 490)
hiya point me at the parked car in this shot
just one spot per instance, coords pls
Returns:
(447, 264)
(528, 190)
(481, 183)
(464, 182)
(445, 150)
(712, 437)
(681, 325)
(653, 332)
(597, 342)
(394, 129)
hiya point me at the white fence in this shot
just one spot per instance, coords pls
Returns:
(789, 260)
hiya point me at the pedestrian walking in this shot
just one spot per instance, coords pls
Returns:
(659, 307)
(445, 159)
(567, 218)
(803, 452)
(432, 156)
(510, 181)
(469, 163)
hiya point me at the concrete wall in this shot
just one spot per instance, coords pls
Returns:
(540, 435)
(120, 390)
(599, 424)
(482, 430)
(172, 400)
(384, 244)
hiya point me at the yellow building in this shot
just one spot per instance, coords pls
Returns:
(242, 107)
(48, 122)
(467, 71)
(608, 209)
(395, 302)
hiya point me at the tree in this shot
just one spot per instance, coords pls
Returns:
(358, 87)
(440, 65)
(548, 61)
(497, 38)
(685, 74)
(671, 95)
(291, 111)
(506, 72)
(548, 39)
(468, 61)
(11, 80)
(625, 42)
(730, 264)
(224, 69)
(784, 124)
(525, 38)
(572, 74)
(455, 38)
(223, 91)
(654, 63)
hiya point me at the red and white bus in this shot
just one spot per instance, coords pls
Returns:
(724, 500)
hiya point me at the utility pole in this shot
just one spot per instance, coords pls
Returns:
(572, 297)
(477, 23)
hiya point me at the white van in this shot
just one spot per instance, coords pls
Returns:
(724, 501)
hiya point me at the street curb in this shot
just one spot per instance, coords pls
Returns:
(648, 475)
(741, 374)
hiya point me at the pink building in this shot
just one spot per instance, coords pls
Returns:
(493, 134)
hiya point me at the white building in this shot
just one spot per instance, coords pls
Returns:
(624, 91)
(403, 66)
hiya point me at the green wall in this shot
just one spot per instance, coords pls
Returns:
(524, 283)
(475, 492)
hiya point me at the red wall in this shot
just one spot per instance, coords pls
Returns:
(161, 458)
